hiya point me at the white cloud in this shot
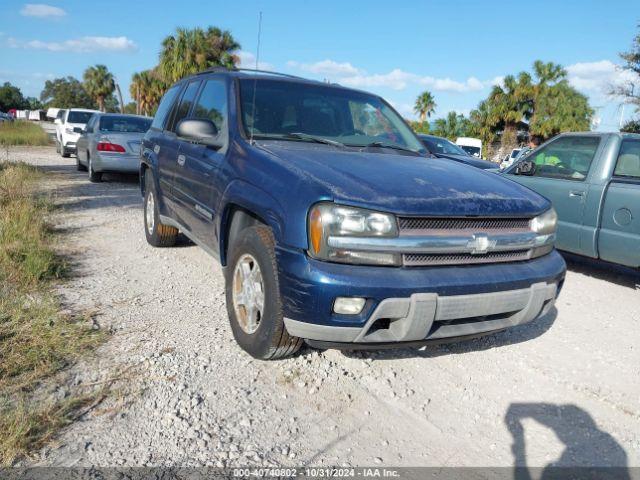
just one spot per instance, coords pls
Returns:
(396, 79)
(248, 60)
(79, 45)
(42, 10)
(599, 77)
(326, 67)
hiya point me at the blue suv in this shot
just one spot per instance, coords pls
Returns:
(333, 223)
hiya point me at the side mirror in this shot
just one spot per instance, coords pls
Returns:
(78, 130)
(199, 130)
(526, 167)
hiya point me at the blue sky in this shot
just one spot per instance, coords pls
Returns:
(455, 49)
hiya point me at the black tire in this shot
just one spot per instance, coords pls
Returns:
(270, 341)
(57, 146)
(79, 166)
(94, 177)
(159, 235)
(63, 152)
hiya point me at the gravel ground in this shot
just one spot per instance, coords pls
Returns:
(564, 389)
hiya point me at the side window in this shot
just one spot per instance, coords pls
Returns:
(568, 158)
(212, 104)
(628, 164)
(164, 108)
(186, 101)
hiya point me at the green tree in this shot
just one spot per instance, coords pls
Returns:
(425, 105)
(419, 127)
(147, 88)
(560, 108)
(454, 125)
(510, 107)
(632, 126)
(631, 91)
(189, 51)
(11, 97)
(99, 84)
(66, 92)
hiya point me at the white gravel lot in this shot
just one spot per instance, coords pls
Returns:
(564, 389)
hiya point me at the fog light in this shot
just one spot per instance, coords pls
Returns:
(348, 306)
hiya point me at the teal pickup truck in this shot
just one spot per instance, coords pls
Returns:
(593, 180)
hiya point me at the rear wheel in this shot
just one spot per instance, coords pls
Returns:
(157, 234)
(94, 177)
(63, 151)
(253, 296)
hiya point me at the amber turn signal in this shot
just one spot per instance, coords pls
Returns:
(315, 230)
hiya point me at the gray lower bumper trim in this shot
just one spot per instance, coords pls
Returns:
(425, 316)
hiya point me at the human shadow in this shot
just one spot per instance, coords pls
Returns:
(589, 451)
(510, 336)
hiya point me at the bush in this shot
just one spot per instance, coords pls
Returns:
(22, 133)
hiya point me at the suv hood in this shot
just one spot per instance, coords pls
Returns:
(406, 184)
(469, 160)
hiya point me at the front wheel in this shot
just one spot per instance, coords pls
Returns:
(253, 296)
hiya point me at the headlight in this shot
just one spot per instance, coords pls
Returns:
(546, 223)
(331, 220)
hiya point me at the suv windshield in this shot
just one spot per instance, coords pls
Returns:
(124, 124)
(442, 146)
(79, 117)
(312, 112)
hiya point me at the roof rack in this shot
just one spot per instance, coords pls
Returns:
(250, 70)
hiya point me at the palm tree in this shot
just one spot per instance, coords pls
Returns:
(510, 106)
(147, 88)
(192, 50)
(425, 105)
(99, 84)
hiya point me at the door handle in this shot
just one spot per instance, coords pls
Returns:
(575, 193)
(181, 160)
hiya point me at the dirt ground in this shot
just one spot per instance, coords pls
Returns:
(563, 390)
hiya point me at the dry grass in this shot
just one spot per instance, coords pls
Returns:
(36, 339)
(22, 133)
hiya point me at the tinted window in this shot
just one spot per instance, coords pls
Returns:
(473, 151)
(165, 107)
(212, 104)
(567, 157)
(124, 124)
(628, 164)
(79, 117)
(353, 118)
(186, 101)
(442, 146)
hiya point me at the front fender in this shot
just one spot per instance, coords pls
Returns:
(257, 201)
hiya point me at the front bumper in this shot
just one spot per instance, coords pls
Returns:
(414, 304)
(428, 316)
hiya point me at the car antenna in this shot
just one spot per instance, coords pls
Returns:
(255, 81)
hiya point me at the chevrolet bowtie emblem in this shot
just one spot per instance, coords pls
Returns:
(480, 244)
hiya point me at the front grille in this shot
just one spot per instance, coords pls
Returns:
(430, 260)
(414, 225)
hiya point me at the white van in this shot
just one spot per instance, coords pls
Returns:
(473, 146)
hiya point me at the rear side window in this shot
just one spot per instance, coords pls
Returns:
(568, 158)
(186, 102)
(628, 164)
(124, 124)
(165, 107)
(212, 104)
(91, 124)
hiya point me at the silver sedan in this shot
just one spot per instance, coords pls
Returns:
(111, 143)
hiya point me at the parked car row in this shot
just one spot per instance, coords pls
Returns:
(102, 142)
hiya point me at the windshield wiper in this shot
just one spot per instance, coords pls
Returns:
(390, 145)
(313, 138)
